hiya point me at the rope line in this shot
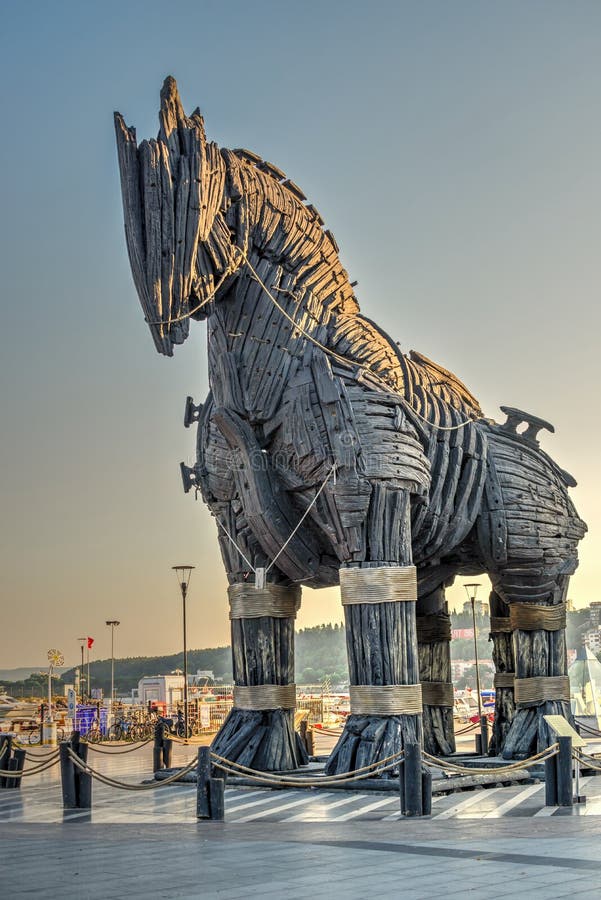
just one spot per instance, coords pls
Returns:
(112, 782)
(119, 751)
(364, 772)
(292, 533)
(35, 770)
(232, 541)
(229, 271)
(302, 518)
(545, 754)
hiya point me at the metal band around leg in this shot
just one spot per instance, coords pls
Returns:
(386, 584)
(529, 691)
(438, 693)
(386, 699)
(265, 696)
(504, 679)
(500, 625)
(249, 602)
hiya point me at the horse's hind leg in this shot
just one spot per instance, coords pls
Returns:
(434, 649)
(503, 658)
(541, 682)
(379, 598)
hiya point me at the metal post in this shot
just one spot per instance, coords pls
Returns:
(50, 693)
(413, 780)
(67, 776)
(565, 795)
(157, 752)
(402, 785)
(6, 742)
(84, 780)
(82, 677)
(112, 623)
(217, 799)
(426, 792)
(184, 587)
(551, 781)
(477, 670)
(19, 760)
(203, 777)
(484, 734)
(167, 752)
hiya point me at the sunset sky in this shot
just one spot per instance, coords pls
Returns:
(454, 149)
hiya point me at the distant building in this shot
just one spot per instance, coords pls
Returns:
(480, 607)
(595, 614)
(592, 639)
(163, 689)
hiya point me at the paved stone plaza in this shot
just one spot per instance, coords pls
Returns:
(498, 842)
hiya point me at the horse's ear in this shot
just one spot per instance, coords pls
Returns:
(177, 130)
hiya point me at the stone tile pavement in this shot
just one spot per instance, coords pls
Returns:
(485, 844)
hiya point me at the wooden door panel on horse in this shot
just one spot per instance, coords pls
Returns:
(327, 456)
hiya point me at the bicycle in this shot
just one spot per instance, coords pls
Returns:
(35, 735)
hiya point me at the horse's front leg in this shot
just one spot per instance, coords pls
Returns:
(379, 597)
(259, 731)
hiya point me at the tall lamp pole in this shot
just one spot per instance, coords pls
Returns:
(472, 590)
(183, 574)
(113, 623)
(82, 677)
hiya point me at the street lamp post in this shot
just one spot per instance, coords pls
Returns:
(82, 677)
(113, 623)
(55, 658)
(472, 590)
(183, 574)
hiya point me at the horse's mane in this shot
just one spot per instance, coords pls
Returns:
(292, 233)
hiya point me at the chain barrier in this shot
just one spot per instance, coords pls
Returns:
(541, 757)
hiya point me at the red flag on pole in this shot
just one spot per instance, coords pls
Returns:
(90, 642)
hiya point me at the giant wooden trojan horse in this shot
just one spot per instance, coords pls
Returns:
(329, 457)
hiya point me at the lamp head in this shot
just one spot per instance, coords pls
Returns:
(183, 574)
(472, 589)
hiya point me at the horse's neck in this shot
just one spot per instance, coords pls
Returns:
(254, 347)
(270, 218)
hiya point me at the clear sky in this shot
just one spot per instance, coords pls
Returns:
(454, 150)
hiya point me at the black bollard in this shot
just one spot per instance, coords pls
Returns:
(167, 752)
(551, 781)
(413, 780)
(426, 792)
(203, 777)
(67, 776)
(217, 799)
(157, 750)
(483, 735)
(19, 764)
(565, 796)
(6, 741)
(402, 785)
(83, 780)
